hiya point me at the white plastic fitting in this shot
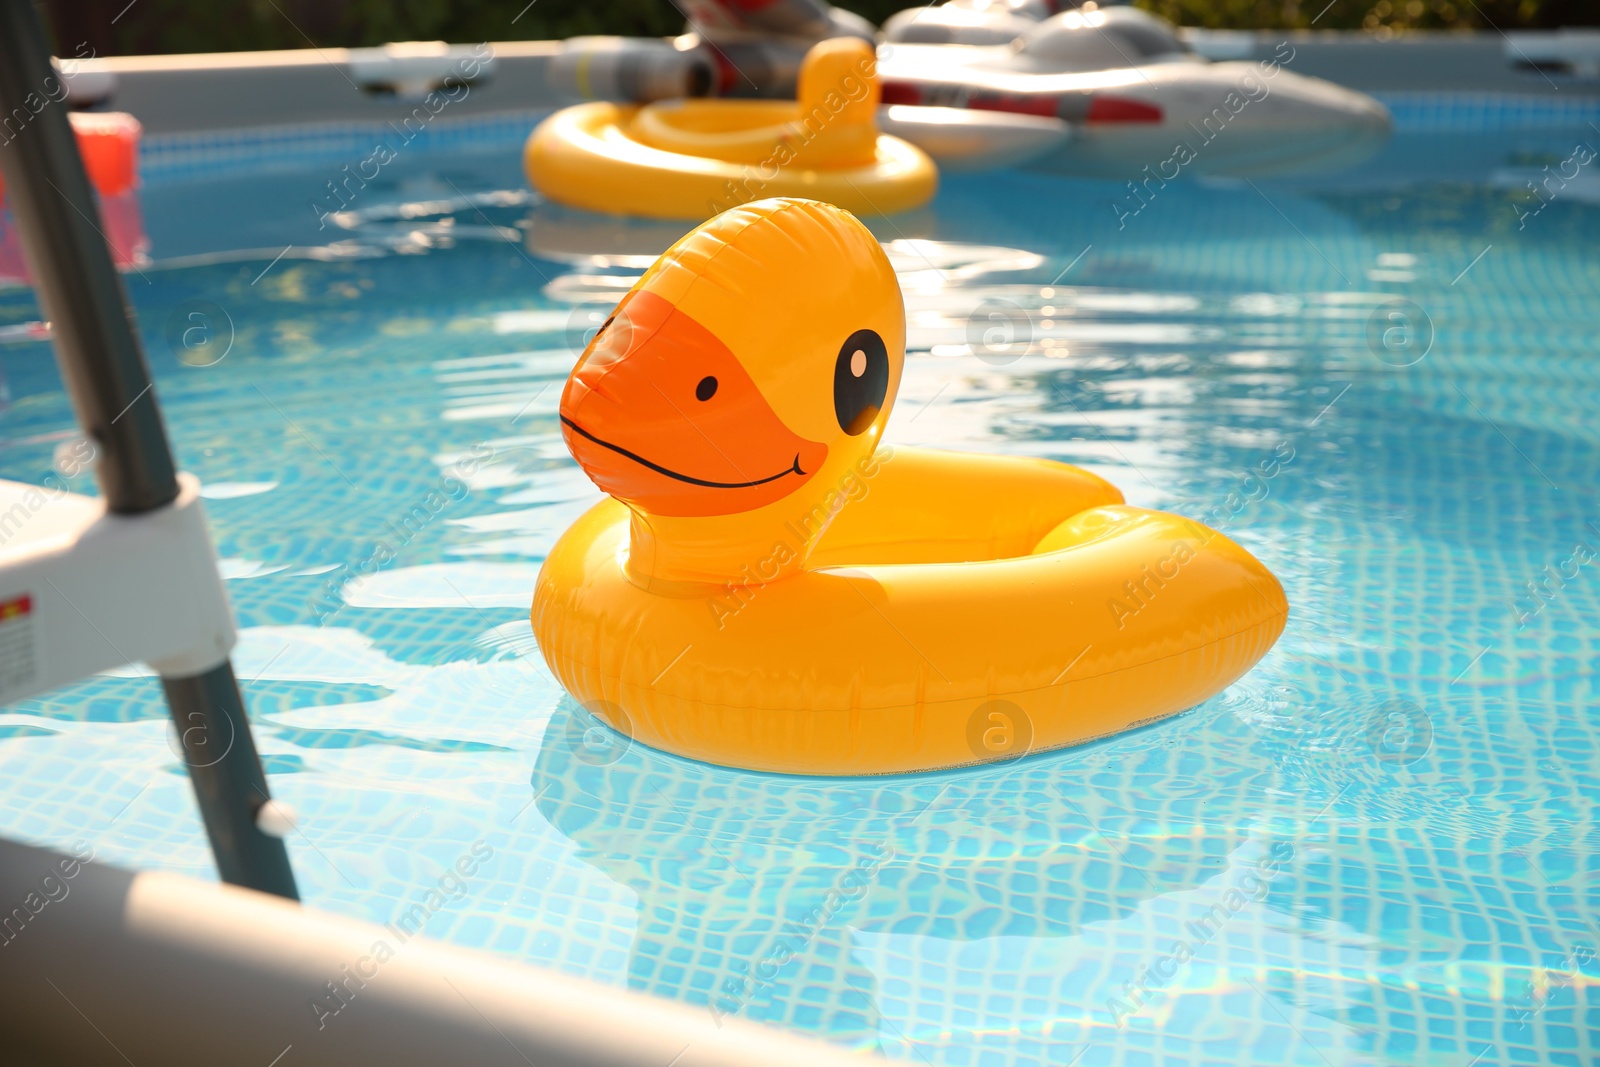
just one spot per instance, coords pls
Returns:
(83, 591)
(413, 69)
(277, 819)
(1576, 50)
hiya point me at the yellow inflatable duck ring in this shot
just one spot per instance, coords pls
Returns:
(765, 587)
(690, 159)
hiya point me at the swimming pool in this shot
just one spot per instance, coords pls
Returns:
(1374, 849)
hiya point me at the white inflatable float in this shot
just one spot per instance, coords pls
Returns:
(992, 83)
(1128, 91)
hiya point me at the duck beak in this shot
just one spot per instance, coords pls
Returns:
(662, 415)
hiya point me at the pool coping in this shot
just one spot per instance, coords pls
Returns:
(189, 94)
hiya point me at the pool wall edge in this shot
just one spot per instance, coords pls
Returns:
(99, 965)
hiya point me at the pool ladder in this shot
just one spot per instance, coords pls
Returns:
(88, 585)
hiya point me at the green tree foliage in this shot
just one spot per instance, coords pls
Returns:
(115, 27)
(1381, 17)
(157, 26)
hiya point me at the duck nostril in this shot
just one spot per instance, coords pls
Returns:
(706, 389)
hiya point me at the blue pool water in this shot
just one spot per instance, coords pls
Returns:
(1376, 848)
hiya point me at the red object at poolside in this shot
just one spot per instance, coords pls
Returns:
(109, 144)
(109, 141)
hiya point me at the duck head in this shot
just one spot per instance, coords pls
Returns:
(734, 395)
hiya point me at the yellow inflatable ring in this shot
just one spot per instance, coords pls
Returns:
(768, 588)
(690, 159)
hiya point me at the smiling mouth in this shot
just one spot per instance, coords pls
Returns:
(794, 468)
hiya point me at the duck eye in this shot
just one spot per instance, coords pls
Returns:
(706, 389)
(860, 381)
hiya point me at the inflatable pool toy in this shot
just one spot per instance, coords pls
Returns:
(765, 587)
(689, 159)
(1132, 92)
(976, 84)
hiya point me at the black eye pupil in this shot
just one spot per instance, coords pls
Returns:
(860, 381)
(706, 389)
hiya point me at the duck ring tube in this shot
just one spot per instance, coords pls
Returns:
(766, 587)
(690, 159)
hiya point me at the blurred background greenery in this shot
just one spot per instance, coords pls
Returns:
(117, 27)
